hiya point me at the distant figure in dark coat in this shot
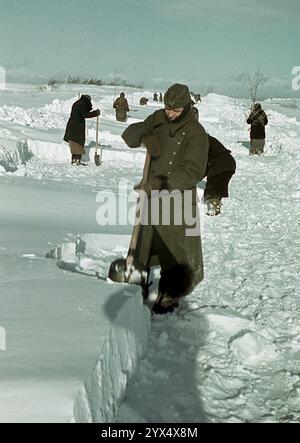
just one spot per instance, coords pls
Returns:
(197, 97)
(258, 120)
(155, 97)
(160, 97)
(121, 107)
(75, 130)
(143, 101)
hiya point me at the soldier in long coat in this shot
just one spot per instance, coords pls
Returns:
(75, 130)
(121, 107)
(258, 120)
(180, 166)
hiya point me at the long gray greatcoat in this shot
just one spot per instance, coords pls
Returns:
(75, 129)
(183, 159)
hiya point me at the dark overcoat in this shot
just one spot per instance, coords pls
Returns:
(257, 130)
(75, 129)
(219, 158)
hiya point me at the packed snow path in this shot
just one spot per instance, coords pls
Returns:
(233, 353)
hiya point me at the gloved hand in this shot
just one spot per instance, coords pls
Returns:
(156, 183)
(97, 112)
(152, 144)
(159, 182)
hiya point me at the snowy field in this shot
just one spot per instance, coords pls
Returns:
(231, 353)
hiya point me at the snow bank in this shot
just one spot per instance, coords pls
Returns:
(124, 346)
(126, 341)
(73, 342)
(50, 152)
(13, 154)
(60, 153)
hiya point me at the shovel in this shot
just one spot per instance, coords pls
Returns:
(124, 270)
(97, 157)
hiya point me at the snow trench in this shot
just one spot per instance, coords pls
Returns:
(104, 389)
(14, 154)
(125, 343)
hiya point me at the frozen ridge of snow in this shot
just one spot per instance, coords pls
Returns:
(72, 342)
(125, 345)
(127, 340)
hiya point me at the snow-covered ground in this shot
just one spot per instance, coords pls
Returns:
(231, 353)
(72, 341)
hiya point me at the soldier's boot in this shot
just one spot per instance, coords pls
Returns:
(213, 206)
(174, 284)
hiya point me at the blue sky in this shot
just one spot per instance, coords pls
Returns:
(203, 43)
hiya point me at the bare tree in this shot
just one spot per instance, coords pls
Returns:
(117, 80)
(254, 81)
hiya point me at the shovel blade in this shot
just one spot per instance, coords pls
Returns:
(120, 272)
(117, 270)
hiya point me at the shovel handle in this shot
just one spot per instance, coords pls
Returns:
(97, 134)
(140, 204)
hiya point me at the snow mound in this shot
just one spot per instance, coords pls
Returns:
(253, 350)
